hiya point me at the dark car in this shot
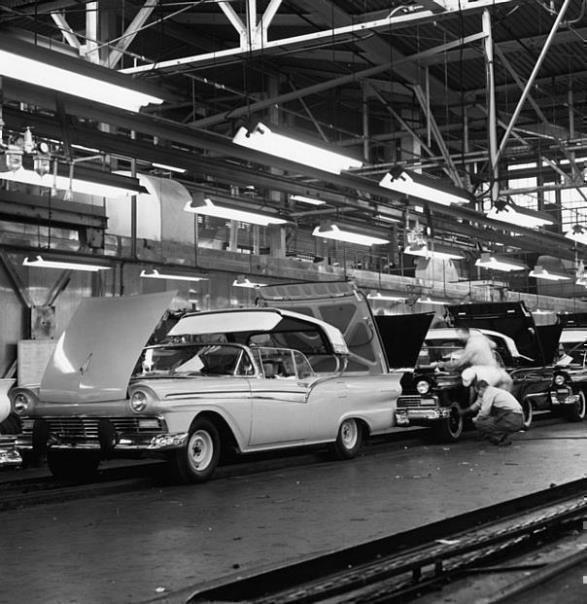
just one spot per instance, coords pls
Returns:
(541, 386)
(432, 397)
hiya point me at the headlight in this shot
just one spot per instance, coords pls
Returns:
(22, 402)
(423, 387)
(559, 379)
(138, 401)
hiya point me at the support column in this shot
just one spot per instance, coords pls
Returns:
(365, 108)
(491, 109)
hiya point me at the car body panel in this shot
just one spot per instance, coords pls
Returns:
(89, 363)
(402, 337)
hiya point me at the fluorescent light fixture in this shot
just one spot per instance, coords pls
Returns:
(387, 218)
(40, 262)
(169, 168)
(156, 274)
(426, 252)
(309, 200)
(227, 212)
(347, 234)
(497, 263)
(246, 283)
(429, 300)
(32, 64)
(424, 187)
(512, 214)
(262, 138)
(539, 272)
(385, 297)
(578, 234)
(77, 185)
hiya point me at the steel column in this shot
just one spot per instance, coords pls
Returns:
(491, 109)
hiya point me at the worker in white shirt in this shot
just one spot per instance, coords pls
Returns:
(499, 414)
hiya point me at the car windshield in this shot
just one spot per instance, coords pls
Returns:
(573, 351)
(194, 360)
(446, 349)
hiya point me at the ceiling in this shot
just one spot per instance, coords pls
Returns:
(386, 80)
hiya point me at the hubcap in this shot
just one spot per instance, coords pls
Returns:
(200, 450)
(349, 434)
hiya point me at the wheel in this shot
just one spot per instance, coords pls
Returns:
(80, 467)
(450, 428)
(197, 461)
(576, 412)
(528, 414)
(349, 440)
(11, 425)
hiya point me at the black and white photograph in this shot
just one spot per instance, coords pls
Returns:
(293, 301)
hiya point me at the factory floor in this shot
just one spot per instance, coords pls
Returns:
(165, 541)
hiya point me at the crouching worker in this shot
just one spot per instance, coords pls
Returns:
(499, 414)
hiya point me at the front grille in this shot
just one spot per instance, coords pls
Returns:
(86, 428)
(412, 402)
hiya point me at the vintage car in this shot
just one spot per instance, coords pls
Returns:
(433, 397)
(538, 386)
(242, 380)
(9, 428)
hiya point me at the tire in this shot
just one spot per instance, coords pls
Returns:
(79, 467)
(528, 414)
(11, 425)
(576, 412)
(197, 461)
(349, 440)
(449, 430)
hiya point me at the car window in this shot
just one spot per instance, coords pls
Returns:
(437, 350)
(303, 367)
(276, 362)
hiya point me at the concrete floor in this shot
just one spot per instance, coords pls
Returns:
(136, 546)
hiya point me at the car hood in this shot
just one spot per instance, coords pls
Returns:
(402, 337)
(573, 320)
(514, 320)
(96, 354)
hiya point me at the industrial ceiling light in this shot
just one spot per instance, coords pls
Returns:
(347, 234)
(425, 251)
(245, 282)
(41, 262)
(313, 201)
(429, 300)
(229, 212)
(385, 297)
(57, 71)
(497, 263)
(510, 213)
(156, 274)
(539, 272)
(76, 185)
(169, 168)
(578, 234)
(261, 138)
(421, 186)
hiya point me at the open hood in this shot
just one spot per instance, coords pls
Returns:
(96, 354)
(402, 337)
(573, 320)
(514, 320)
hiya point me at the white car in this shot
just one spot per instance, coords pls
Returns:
(234, 379)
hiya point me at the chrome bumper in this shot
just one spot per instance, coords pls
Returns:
(414, 415)
(9, 456)
(125, 443)
(564, 396)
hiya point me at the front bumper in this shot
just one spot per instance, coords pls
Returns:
(108, 435)
(9, 455)
(419, 410)
(563, 396)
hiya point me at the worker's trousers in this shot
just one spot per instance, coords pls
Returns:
(499, 425)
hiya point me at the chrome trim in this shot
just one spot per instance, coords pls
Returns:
(9, 456)
(405, 416)
(559, 398)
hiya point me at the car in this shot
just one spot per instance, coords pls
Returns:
(432, 397)
(243, 380)
(9, 428)
(535, 385)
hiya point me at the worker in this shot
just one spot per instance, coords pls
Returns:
(479, 350)
(498, 414)
(494, 376)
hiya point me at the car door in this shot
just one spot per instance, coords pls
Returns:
(281, 414)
